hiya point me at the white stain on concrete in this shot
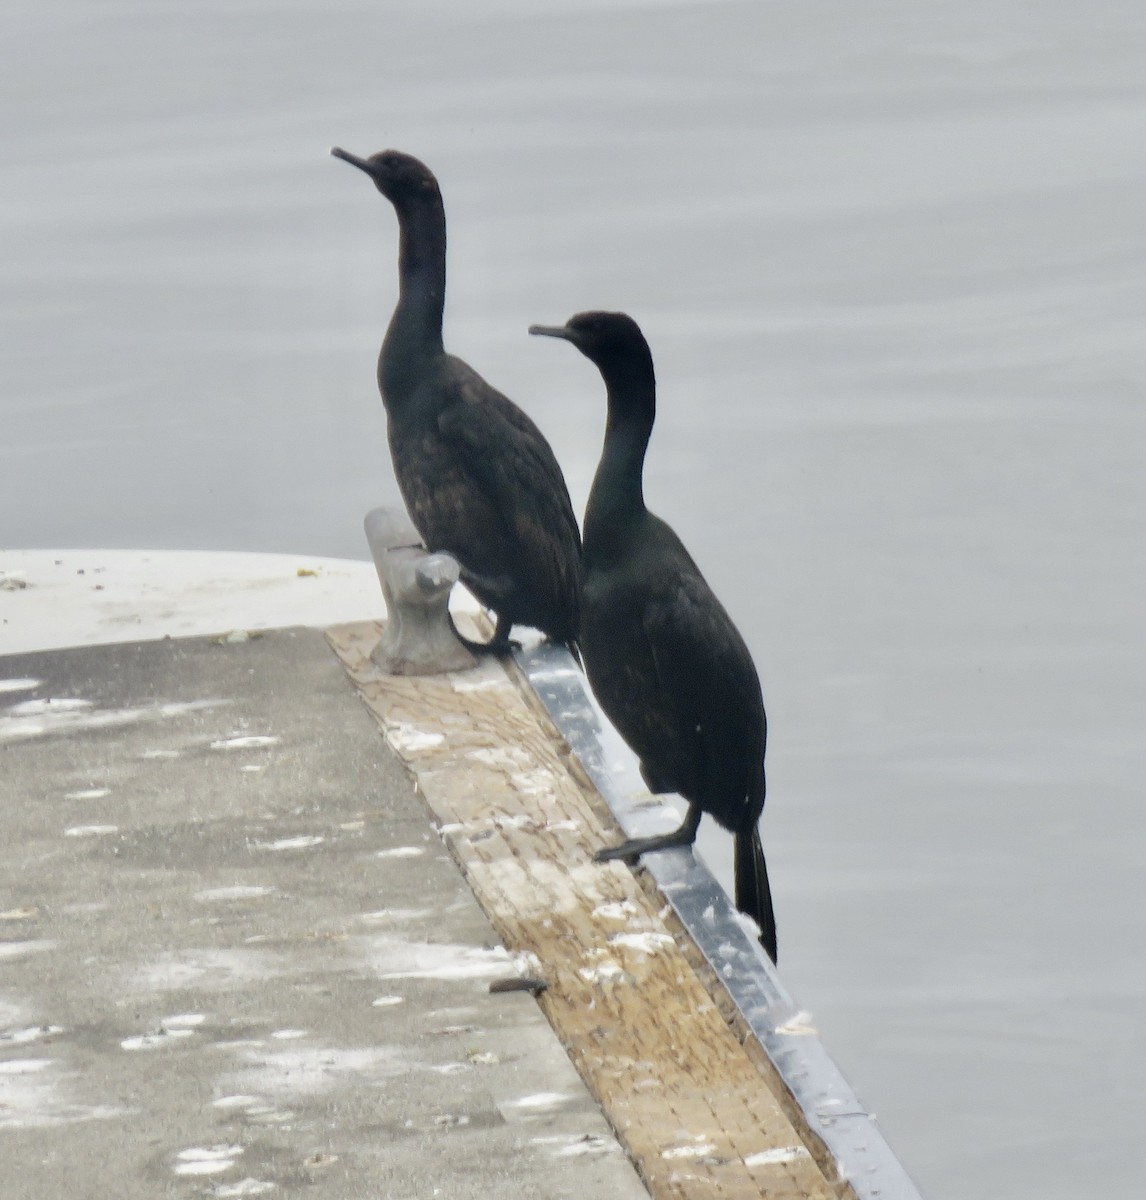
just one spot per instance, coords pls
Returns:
(590, 1143)
(30, 1033)
(251, 741)
(238, 891)
(401, 852)
(394, 957)
(212, 969)
(388, 1001)
(40, 718)
(23, 913)
(240, 1101)
(19, 685)
(538, 1101)
(206, 1160)
(31, 946)
(245, 1187)
(25, 1066)
(160, 754)
(782, 1154)
(152, 1041)
(79, 831)
(33, 1096)
(50, 706)
(392, 916)
(89, 794)
(314, 1070)
(302, 842)
(289, 1035)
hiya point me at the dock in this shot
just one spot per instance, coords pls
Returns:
(273, 921)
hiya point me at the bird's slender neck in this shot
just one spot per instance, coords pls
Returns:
(415, 331)
(616, 499)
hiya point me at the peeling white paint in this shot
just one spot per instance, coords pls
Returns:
(183, 1021)
(409, 738)
(90, 794)
(616, 910)
(466, 683)
(90, 830)
(388, 1001)
(783, 1154)
(647, 943)
(401, 852)
(538, 887)
(288, 1035)
(608, 972)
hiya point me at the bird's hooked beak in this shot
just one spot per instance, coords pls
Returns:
(557, 331)
(353, 159)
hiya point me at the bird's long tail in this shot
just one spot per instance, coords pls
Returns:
(753, 895)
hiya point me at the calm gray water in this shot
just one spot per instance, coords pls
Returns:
(891, 259)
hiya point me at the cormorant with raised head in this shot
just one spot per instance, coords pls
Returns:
(478, 478)
(664, 659)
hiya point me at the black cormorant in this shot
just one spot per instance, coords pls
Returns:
(664, 659)
(478, 478)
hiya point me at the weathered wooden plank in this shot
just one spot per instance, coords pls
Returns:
(685, 1096)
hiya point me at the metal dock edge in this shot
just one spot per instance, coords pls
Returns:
(821, 1100)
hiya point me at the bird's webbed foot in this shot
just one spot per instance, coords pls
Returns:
(631, 850)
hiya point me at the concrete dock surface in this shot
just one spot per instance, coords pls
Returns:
(236, 958)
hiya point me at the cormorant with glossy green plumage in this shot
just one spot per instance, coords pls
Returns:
(478, 478)
(663, 657)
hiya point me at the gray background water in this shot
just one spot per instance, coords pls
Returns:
(891, 259)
